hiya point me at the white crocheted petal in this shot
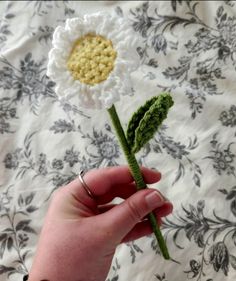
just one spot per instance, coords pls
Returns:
(108, 98)
(65, 85)
(60, 90)
(61, 39)
(92, 22)
(87, 98)
(106, 27)
(118, 83)
(73, 24)
(74, 27)
(126, 87)
(54, 72)
(58, 56)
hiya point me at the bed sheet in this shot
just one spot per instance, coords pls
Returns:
(187, 48)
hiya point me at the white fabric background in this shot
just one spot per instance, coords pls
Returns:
(188, 49)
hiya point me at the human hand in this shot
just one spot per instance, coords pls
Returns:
(80, 233)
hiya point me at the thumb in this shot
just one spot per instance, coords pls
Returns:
(122, 218)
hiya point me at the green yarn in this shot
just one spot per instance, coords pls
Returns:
(137, 175)
(135, 120)
(130, 157)
(147, 119)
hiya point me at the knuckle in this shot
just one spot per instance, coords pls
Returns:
(134, 210)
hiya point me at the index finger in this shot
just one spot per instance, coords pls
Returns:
(104, 181)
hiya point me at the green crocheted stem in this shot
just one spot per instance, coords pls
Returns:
(137, 175)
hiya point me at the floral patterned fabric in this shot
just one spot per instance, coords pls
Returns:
(187, 48)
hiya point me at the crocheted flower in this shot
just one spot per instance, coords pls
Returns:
(92, 57)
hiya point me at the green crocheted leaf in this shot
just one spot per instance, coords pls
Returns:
(135, 120)
(151, 120)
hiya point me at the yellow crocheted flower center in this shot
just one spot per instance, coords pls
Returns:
(91, 59)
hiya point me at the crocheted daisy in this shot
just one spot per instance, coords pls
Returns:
(92, 57)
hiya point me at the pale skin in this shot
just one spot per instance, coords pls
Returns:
(80, 234)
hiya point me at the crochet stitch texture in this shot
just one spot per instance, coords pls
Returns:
(92, 59)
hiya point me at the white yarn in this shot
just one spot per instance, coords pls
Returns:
(106, 93)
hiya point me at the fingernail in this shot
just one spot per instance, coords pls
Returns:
(154, 200)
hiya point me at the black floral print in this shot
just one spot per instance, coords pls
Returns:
(57, 164)
(159, 43)
(219, 257)
(202, 229)
(220, 38)
(107, 149)
(228, 118)
(71, 157)
(105, 154)
(44, 34)
(29, 80)
(12, 159)
(196, 225)
(142, 22)
(222, 158)
(195, 268)
(147, 26)
(161, 277)
(103, 149)
(5, 200)
(22, 161)
(5, 25)
(187, 48)
(30, 83)
(115, 268)
(7, 112)
(231, 196)
(229, 2)
(134, 250)
(177, 151)
(45, 7)
(63, 126)
(17, 235)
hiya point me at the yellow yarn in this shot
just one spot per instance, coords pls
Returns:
(91, 59)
